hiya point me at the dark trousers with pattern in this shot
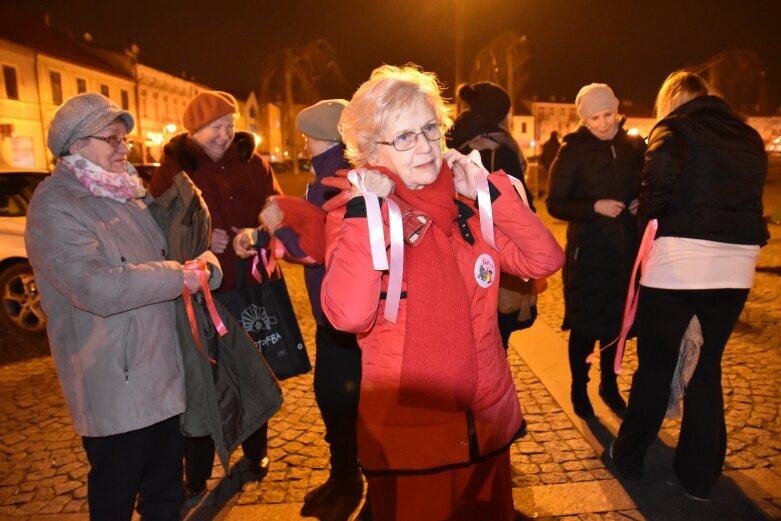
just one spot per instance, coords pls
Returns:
(662, 318)
(337, 388)
(146, 463)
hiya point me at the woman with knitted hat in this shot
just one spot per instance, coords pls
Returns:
(594, 183)
(438, 409)
(235, 182)
(108, 291)
(484, 126)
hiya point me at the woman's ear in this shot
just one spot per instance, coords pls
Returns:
(76, 146)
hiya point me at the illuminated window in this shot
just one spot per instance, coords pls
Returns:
(81, 85)
(104, 90)
(56, 81)
(9, 78)
(125, 100)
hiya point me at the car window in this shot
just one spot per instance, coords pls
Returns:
(16, 190)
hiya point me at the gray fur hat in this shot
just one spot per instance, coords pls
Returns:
(321, 120)
(83, 116)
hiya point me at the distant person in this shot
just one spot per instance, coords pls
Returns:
(702, 181)
(108, 293)
(438, 409)
(594, 183)
(338, 359)
(484, 126)
(549, 150)
(235, 182)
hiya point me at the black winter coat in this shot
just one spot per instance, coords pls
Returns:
(704, 174)
(600, 250)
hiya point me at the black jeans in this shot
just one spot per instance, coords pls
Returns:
(337, 388)
(662, 319)
(146, 462)
(199, 456)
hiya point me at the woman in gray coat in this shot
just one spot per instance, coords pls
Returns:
(108, 292)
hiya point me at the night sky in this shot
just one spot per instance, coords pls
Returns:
(631, 45)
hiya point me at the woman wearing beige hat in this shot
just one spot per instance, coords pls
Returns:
(108, 291)
(235, 182)
(594, 184)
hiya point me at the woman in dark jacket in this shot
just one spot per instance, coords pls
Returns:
(594, 184)
(235, 182)
(483, 126)
(702, 181)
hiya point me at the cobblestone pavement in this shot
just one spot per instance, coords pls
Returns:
(43, 468)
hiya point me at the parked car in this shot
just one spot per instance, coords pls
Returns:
(20, 305)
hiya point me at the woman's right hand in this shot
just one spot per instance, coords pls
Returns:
(609, 207)
(193, 281)
(219, 240)
(374, 181)
(244, 241)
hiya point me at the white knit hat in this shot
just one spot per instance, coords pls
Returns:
(594, 98)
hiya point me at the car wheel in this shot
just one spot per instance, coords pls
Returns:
(21, 304)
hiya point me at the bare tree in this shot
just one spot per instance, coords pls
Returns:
(739, 76)
(504, 61)
(296, 75)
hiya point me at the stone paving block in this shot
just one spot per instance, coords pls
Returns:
(572, 499)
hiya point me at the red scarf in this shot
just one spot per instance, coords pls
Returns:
(439, 366)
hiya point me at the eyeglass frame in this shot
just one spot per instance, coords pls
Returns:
(423, 131)
(108, 139)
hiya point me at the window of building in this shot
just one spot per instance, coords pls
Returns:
(252, 113)
(104, 90)
(81, 85)
(523, 128)
(56, 81)
(125, 100)
(9, 78)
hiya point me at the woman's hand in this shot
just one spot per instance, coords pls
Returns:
(271, 216)
(243, 242)
(219, 240)
(374, 181)
(633, 206)
(464, 170)
(609, 207)
(192, 280)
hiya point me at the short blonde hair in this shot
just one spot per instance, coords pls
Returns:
(679, 88)
(389, 94)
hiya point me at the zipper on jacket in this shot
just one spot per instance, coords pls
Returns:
(471, 431)
(125, 364)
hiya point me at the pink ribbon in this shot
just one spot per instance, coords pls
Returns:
(519, 188)
(377, 243)
(483, 199)
(199, 266)
(630, 306)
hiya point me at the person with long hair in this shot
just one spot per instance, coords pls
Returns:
(702, 182)
(438, 409)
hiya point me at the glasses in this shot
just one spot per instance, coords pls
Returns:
(114, 141)
(408, 140)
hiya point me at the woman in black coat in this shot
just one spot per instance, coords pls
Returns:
(594, 185)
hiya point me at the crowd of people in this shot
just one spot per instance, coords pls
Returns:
(417, 399)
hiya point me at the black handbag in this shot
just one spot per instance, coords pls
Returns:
(266, 313)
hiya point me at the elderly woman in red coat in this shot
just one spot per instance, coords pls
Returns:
(438, 408)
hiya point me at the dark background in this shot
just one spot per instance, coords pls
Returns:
(631, 45)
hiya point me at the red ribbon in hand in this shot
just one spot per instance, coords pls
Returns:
(199, 266)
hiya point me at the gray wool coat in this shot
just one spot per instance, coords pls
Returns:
(108, 293)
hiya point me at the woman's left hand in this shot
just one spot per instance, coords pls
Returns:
(464, 171)
(633, 205)
(271, 216)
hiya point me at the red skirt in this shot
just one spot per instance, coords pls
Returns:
(477, 492)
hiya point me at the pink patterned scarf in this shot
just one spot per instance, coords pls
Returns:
(120, 186)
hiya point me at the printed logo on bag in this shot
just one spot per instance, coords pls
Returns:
(485, 270)
(254, 318)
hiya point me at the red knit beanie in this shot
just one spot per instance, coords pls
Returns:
(206, 107)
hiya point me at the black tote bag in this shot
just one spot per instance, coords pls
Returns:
(265, 312)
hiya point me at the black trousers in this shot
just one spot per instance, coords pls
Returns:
(146, 463)
(662, 319)
(199, 456)
(580, 346)
(337, 387)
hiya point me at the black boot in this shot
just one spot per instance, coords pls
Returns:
(336, 499)
(608, 391)
(580, 401)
